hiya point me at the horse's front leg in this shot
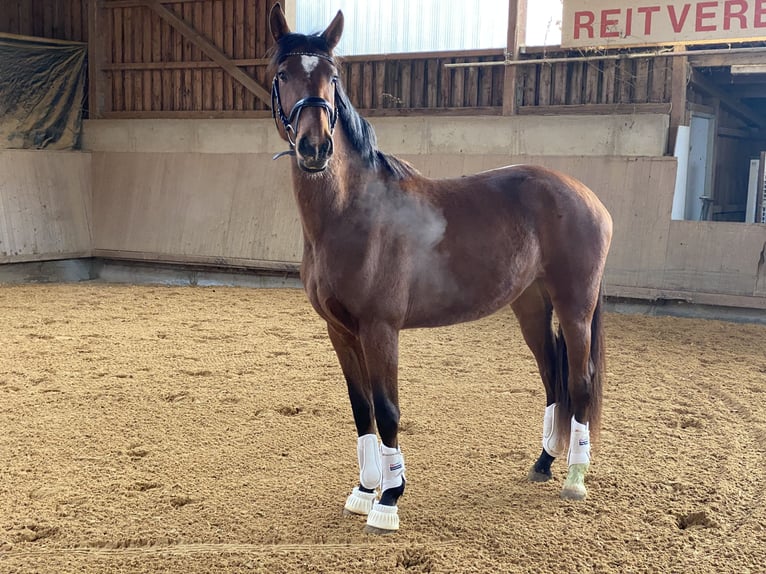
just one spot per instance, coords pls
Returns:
(380, 347)
(350, 357)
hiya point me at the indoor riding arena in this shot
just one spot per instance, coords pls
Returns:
(170, 401)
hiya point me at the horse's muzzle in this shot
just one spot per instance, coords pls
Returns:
(312, 156)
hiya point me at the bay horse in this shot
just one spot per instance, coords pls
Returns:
(387, 249)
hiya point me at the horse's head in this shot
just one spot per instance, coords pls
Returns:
(303, 96)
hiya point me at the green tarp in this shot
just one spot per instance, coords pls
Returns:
(42, 88)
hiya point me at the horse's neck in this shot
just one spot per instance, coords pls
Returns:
(324, 200)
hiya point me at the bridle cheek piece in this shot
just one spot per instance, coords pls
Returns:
(291, 122)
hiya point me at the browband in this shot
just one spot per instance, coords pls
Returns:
(328, 58)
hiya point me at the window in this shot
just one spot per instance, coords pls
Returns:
(391, 26)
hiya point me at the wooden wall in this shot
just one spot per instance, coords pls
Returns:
(59, 19)
(44, 205)
(609, 82)
(151, 66)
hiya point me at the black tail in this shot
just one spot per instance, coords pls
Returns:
(597, 370)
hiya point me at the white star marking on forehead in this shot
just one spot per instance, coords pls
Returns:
(309, 63)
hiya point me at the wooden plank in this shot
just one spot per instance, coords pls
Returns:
(136, 40)
(79, 12)
(609, 82)
(178, 74)
(47, 27)
(445, 84)
(26, 18)
(156, 56)
(251, 50)
(239, 47)
(485, 87)
(187, 53)
(641, 90)
(118, 81)
(379, 99)
(66, 19)
(134, 3)
(544, 92)
(595, 109)
(218, 32)
(38, 19)
(95, 105)
(472, 87)
(626, 80)
(517, 18)
(228, 50)
(210, 50)
(394, 110)
(369, 84)
(593, 77)
(146, 56)
(167, 57)
(560, 83)
(208, 101)
(575, 83)
(457, 93)
(418, 83)
(658, 79)
(498, 80)
(432, 83)
(197, 87)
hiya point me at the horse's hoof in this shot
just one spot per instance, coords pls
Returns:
(537, 476)
(359, 503)
(574, 492)
(574, 485)
(382, 519)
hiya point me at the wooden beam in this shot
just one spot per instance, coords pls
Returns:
(97, 94)
(137, 3)
(517, 24)
(731, 103)
(594, 109)
(679, 80)
(209, 50)
(196, 65)
(723, 59)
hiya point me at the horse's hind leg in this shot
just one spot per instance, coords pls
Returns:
(534, 312)
(349, 353)
(580, 320)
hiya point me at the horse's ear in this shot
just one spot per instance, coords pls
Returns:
(277, 22)
(334, 31)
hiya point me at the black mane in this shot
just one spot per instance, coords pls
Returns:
(360, 134)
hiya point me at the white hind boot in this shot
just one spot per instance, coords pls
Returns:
(385, 518)
(579, 461)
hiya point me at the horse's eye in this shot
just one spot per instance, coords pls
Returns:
(335, 78)
(281, 76)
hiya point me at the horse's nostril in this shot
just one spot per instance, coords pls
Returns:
(306, 148)
(309, 149)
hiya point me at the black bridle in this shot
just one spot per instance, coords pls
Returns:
(290, 122)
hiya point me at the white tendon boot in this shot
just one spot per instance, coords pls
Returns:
(579, 461)
(551, 436)
(370, 475)
(384, 518)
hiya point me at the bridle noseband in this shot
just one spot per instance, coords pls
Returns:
(291, 122)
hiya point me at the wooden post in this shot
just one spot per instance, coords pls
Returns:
(678, 83)
(96, 93)
(517, 25)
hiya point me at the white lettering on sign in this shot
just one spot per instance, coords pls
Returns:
(591, 23)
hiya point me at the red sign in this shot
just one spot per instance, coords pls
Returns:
(592, 23)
